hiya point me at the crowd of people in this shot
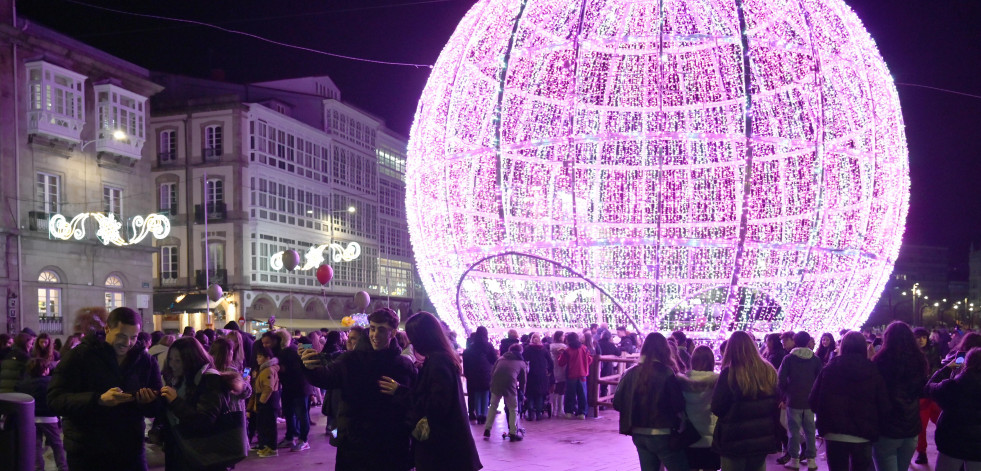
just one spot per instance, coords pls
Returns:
(406, 399)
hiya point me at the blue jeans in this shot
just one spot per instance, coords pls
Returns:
(893, 454)
(655, 450)
(296, 411)
(797, 418)
(479, 401)
(575, 396)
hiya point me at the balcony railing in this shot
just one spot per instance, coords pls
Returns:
(51, 325)
(219, 276)
(216, 212)
(168, 278)
(212, 154)
(38, 221)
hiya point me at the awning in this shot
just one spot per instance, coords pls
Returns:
(167, 303)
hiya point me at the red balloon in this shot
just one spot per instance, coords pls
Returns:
(324, 274)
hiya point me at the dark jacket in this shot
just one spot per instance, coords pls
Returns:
(438, 396)
(607, 347)
(657, 409)
(745, 426)
(850, 397)
(82, 376)
(539, 370)
(796, 377)
(371, 428)
(478, 362)
(506, 344)
(776, 357)
(12, 369)
(510, 373)
(959, 427)
(904, 384)
(38, 389)
(291, 378)
(207, 396)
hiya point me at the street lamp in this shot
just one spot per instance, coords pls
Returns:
(117, 135)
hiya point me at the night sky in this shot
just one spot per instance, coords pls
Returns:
(926, 43)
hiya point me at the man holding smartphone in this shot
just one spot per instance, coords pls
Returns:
(104, 388)
(371, 428)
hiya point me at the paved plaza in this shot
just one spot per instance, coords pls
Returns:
(550, 445)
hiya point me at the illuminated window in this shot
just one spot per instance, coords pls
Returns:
(114, 297)
(112, 201)
(48, 297)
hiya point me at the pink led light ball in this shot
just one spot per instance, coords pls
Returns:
(704, 166)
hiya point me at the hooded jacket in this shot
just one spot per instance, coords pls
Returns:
(576, 362)
(697, 389)
(796, 376)
(267, 382)
(959, 426)
(509, 371)
(850, 397)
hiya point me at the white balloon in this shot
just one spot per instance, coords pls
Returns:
(361, 300)
(215, 292)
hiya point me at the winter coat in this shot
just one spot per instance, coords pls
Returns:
(697, 389)
(438, 396)
(200, 400)
(539, 370)
(291, 376)
(776, 357)
(510, 371)
(267, 381)
(904, 384)
(12, 369)
(506, 344)
(82, 376)
(576, 362)
(796, 376)
(659, 409)
(364, 416)
(745, 426)
(478, 362)
(607, 348)
(850, 397)
(959, 427)
(38, 389)
(558, 372)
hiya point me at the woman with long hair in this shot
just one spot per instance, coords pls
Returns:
(195, 393)
(442, 438)
(650, 401)
(237, 344)
(44, 349)
(221, 354)
(959, 428)
(826, 350)
(904, 369)
(745, 402)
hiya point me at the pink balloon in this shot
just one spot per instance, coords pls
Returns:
(324, 274)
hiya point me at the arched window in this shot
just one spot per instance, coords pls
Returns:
(114, 294)
(48, 297)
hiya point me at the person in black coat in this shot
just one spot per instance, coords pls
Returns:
(478, 362)
(959, 427)
(539, 376)
(607, 347)
(103, 389)
(850, 399)
(511, 339)
(441, 433)
(371, 428)
(45, 422)
(745, 401)
(14, 362)
(904, 369)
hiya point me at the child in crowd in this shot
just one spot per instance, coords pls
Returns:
(267, 403)
(45, 421)
(510, 371)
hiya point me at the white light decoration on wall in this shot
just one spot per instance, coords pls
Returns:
(315, 255)
(705, 166)
(109, 231)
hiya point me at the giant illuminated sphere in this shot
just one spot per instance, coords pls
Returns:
(702, 165)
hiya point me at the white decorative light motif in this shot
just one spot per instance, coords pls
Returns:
(315, 255)
(705, 166)
(109, 228)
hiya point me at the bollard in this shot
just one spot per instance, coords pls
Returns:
(16, 432)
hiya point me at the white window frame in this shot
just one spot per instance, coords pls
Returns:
(121, 110)
(49, 296)
(167, 145)
(48, 192)
(114, 297)
(168, 198)
(169, 263)
(112, 201)
(56, 99)
(213, 139)
(215, 192)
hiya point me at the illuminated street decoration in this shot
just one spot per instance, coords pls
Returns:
(703, 165)
(315, 255)
(109, 231)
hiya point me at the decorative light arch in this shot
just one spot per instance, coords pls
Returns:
(110, 229)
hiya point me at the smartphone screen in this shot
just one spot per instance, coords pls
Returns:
(246, 371)
(959, 359)
(306, 346)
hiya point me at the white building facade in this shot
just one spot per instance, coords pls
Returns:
(279, 165)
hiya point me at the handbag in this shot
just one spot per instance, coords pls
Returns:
(218, 446)
(684, 434)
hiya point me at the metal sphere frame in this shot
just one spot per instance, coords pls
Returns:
(695, 165)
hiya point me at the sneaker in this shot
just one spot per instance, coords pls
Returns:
(921, 458)
(794, 463)
(581, 416)
(569, 415)
(486, 433)
(286, 443)
(268, 452)
(783, 459)
(812, 464)
(280, 420)
(515, 437)
(300, 446)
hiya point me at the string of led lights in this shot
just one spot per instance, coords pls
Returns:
(710, 165)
